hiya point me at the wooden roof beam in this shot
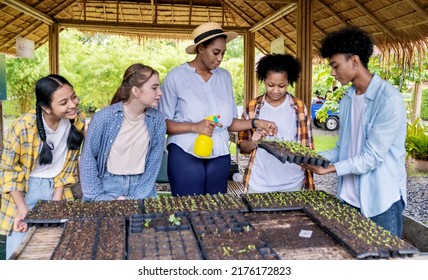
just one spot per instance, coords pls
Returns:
(375, 19)
(237, 12)
(190, 12)
(284, 19)
(274, 17)
(417, 8)
(136, 27)
(273, 1)
(412, 25)
(23, 33)
(105, 12)
(333, 13)
(60, 8)
(28, 10)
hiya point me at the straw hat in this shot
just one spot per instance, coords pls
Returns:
(207, 31)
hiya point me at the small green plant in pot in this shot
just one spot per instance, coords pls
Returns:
(417, 144)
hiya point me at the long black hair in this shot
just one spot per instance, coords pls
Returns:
(45, 88)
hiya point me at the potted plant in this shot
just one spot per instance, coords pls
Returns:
(417, 144)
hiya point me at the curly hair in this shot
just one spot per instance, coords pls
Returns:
(350, 41)
(279, 63)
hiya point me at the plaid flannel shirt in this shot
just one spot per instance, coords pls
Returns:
(304, 133)
(21, 150)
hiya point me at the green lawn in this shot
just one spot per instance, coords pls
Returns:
(324, 142)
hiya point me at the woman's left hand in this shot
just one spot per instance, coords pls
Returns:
(267, 127)
(18, 223)
(258, 135)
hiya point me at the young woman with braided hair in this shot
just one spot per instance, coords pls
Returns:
(124, 144)
(40, 155)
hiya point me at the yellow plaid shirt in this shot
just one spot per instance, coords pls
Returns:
(304, 133)
(21, 150)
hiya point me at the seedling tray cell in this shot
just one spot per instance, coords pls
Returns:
(218, 222)
(152, 236)
(236, 246)
(90, 239)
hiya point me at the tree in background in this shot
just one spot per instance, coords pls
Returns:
(22, 75)
(94, 64)
(399, 74)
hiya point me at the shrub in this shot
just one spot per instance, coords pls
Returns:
(424, 105)
(417, 140)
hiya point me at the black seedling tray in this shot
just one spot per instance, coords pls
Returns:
(77, 210)
(297, 159)
(375, 252)
(159, 239)
(218, 222)
(253, 208)
(79, 225)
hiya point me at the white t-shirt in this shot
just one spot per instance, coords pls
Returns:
(349, 191)
(58, 140)
(268, 174)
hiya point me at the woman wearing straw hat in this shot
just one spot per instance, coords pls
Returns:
(194, 91)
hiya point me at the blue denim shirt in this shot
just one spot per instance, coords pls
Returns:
(381, 164)
(103, 130)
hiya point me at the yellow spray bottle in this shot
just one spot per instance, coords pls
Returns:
(204, 144)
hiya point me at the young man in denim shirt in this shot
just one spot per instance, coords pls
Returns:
(369, 157)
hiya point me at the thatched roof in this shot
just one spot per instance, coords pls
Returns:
(395, 24)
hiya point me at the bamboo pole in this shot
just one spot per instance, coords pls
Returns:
(54, 49)
(249, 63)
(304, 50)
(417, 100)
(1, 128)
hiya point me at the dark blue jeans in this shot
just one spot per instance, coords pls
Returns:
(189, 175)
(391, 219)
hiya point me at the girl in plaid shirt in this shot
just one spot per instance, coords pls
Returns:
(40, 155)
(265, 173)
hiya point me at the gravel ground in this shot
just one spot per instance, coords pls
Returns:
(417, 187)
(417, 194)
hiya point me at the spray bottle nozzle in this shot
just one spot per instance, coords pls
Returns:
(213, 118)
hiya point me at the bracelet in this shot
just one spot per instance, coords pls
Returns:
(253, 123)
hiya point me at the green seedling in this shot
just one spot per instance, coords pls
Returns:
(176, 221)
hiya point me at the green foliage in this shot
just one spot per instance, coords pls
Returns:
(424, 105)
(94, 63)
(236, 68)
(96, 69)
(22, 74)
(417, 140)
(331, 103)
(322, 81)
(397, 74)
